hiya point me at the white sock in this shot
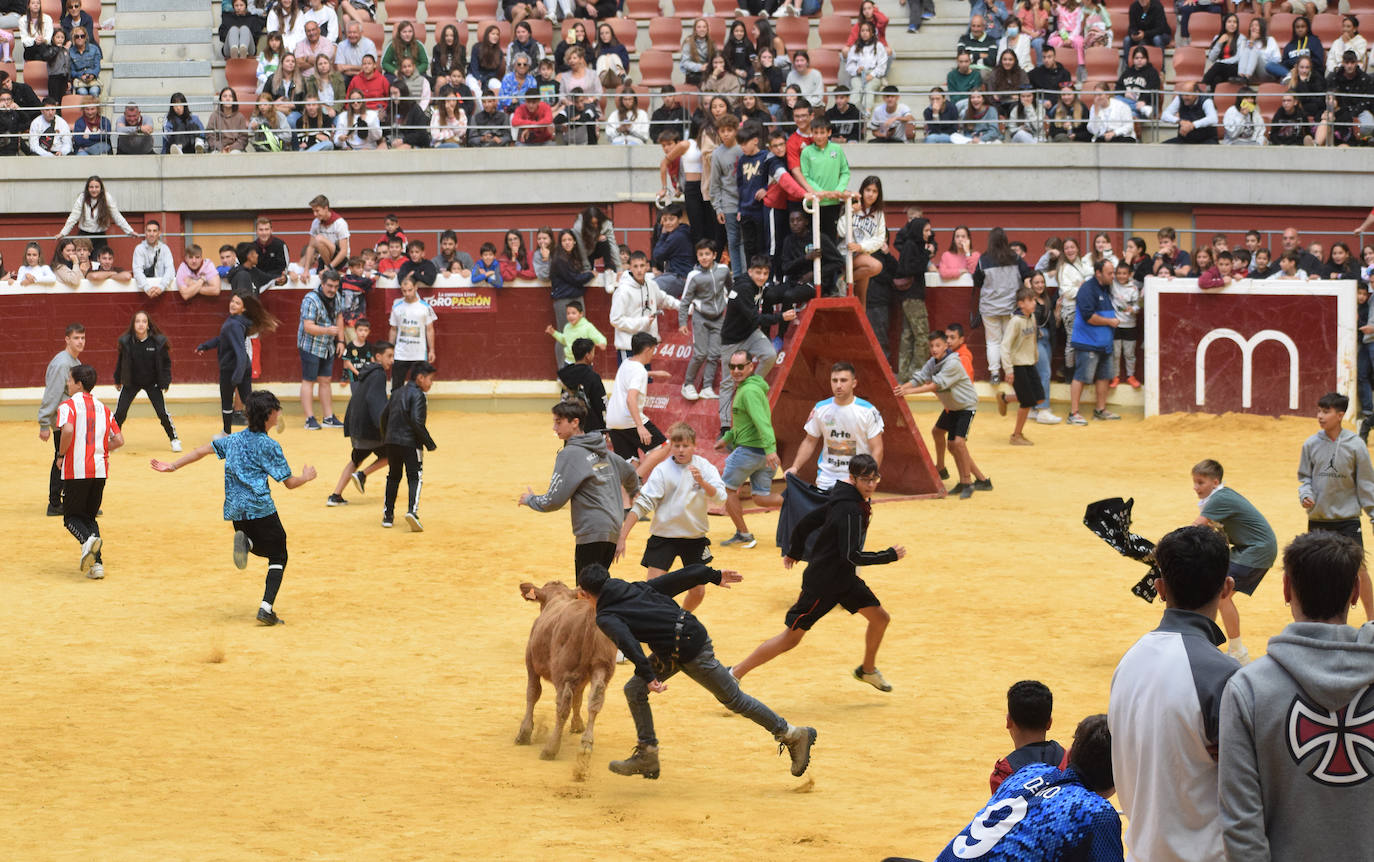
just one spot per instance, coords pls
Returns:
(267, 606)
(1235, 645)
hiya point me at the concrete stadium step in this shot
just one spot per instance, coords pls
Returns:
(165, 46)
(176, 51)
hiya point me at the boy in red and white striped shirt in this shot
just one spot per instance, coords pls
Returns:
(89, 434)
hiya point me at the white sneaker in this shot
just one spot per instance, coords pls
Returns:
(97, 572)
(689, 392)
(707, 392)
(174, 149)
(200, 145)
(176, 445)
(89, 549)
(1146, 111)
(1034, 412)
(1047, 417)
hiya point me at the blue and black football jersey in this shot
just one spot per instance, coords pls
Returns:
(1041, 814)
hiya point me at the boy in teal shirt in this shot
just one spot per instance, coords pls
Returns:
(826, 170)
(1253, 544)
(578, 326)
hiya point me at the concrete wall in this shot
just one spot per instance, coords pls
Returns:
(1072, 174)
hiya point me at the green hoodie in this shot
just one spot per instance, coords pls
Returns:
(752, 418)
(583, 328)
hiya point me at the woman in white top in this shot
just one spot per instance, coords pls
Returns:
(94, 211)
(1349, 40)
(286, 19)
(356, 127)
(687, 156)
(1073, 271)
(870, 234)
(866, 64)
(1018, 43)
(34, 271)
(35, 31)
(1259, 53)
(628, 124)
(449, 124)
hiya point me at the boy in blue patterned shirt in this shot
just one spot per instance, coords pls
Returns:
(250, 458)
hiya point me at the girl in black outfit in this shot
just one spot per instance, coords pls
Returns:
(246, 317)
(447, 57)
(1341, 264)
(568, 282)
(144, 364)
(739, 53)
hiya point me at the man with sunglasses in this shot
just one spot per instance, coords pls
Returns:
(831, 577)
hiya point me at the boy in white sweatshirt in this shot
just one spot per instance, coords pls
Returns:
(636, 304)
(679, 492)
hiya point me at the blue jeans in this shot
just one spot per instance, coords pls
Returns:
(100, 149)
(320, 147)
(748, 463)
(1184, 12)
(711, 675)
(937, 139)
(1042, 366)
(738, 265)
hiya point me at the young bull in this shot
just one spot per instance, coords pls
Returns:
(568, 650)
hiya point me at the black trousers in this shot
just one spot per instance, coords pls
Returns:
(227, 387)
(126, 398)
(82, 501)
(55, 471)
(269, 541)
(412, 461)
(753, 236)
(592, 552)
(400, 370)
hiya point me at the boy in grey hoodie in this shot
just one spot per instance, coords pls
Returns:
(589, 476)
(1297, 726)
(704, 296)
(1336, 481)
(944, 375)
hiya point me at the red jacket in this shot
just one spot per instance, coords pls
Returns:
(541, 116)
(375, 89)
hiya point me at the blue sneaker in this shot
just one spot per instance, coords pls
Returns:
(332, 422)
(926, 16)
(312, 424)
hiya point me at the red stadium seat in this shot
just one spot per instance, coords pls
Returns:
(794, 32)
(846, 9)
(665, 34)
(374, 31)
(437, 9)
(655, 68)
(643, 10)
(1270, 99)
(1188, 63)
(51, 8)
(542, 30)
(1223, 97)
(688, 9)
(1281, 26)
(399, 10)
(1156, 58)
(90, 7)
(503, 26)
(241, 73)
(483, 9)
(1326, 28)
(247, 99)
(716, 26)
(36, 76)
(828, 64)
(834, 32)
(626, 30)
(1103, 63)
(71, 108)
(1203, 27)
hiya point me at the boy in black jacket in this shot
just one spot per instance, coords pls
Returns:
(363, 421)
(581, 380)
(799, 252)
(631, 613)
(742, 329)
(404, 432)
(831, 577)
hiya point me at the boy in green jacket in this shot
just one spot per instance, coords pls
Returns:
(753, 448)
(826, 170)
(578, 327)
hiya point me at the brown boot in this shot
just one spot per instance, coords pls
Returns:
(798, 742)
(643, 762)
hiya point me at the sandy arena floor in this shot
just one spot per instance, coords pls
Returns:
(148, 717)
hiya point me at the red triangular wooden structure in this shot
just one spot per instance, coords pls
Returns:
(827, 331)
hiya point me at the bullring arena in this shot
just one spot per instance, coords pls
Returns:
(148, 717)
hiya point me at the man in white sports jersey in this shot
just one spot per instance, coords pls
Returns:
(844, 425)
(88, 435)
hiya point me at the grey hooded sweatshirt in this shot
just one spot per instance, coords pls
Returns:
(1297, 748)
(585, 473)
(1337, 475)
(954, 389)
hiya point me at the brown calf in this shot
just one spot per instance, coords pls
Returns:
(568, 650)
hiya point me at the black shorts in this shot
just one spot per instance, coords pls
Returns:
(956, 422)
(811, 606)
(1026, 383)
(1350, 528)
(625, 441)
(360, 455)
(1246, 578)
(660, 552)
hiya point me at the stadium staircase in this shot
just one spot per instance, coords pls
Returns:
(164, 47)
